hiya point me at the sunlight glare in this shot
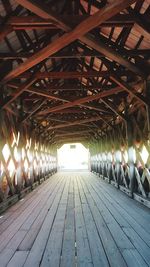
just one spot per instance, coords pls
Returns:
(73, 157)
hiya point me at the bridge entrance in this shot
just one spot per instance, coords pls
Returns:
(73, 156)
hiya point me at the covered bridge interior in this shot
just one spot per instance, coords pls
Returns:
(75, 71)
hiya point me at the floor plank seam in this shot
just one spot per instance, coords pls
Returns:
(75, 220)
(123, 231)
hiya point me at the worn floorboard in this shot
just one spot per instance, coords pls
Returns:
(75, 219)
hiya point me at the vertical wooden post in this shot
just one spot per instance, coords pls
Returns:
(131, 156)
(148, 108)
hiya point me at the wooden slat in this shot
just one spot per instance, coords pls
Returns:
(11, 232)
(84, 257)
(37, 250)
(115, 228)
(133, 209)
(97, 249)
(34, 223)
(127, 228)
(68, 245)
(52, 254)
(76, 219)
(18, 259)
(112, 251)
(13, 235)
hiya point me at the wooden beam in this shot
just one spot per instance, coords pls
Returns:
(73, 133)
(42, 93)
(65, 75)
(112, 54)
(82, 100)
(4, 31)
(114, 109)
(88, 135)
(46, 13)
(71, 110)
(74, 123)
(87, 25)
(25, 55)
(34, 22)
(22, 88)
(125, 86)
(58, 98)
(71, 140)
(33, 111)
(65, 87)
(96, 108)
(79, 110)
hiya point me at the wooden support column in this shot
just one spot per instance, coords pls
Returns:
(131, 155)
(135, 179)
(148, 108)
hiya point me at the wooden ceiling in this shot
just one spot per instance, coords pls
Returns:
(71, 70)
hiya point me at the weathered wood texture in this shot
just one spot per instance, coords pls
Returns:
(89, 56)
(75, 219)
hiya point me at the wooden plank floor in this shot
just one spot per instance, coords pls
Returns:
(75, 219)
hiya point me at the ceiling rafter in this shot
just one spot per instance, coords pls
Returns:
(88, 24)
(33, 22)
(64, 125)
(64, 74)
(82, 100)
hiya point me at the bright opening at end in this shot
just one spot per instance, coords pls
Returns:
(73, 156)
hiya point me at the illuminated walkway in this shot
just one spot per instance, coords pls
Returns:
(75, 219)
